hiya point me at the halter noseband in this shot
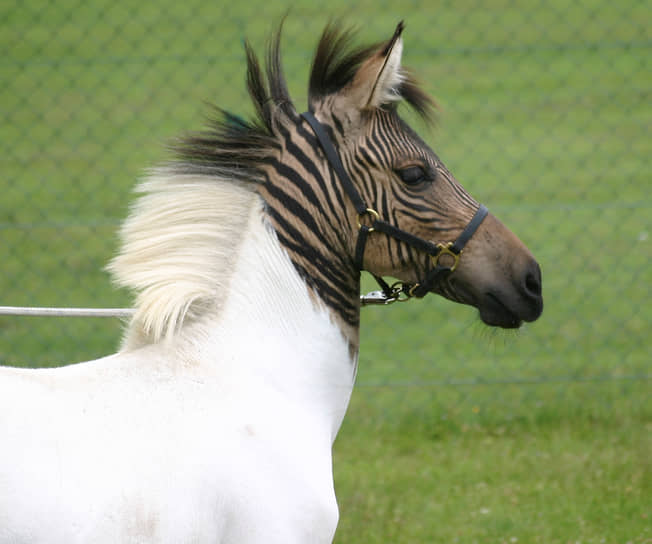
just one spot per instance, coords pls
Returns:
(399, 290)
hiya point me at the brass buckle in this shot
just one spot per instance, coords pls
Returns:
(371, 212)
(445, 249)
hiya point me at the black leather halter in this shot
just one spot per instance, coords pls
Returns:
(398, 291)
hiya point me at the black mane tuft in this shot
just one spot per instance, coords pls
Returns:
(336, 61)
(235, 147)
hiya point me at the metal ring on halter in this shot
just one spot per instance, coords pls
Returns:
(446, 249)
(399, 291)
(368, 211)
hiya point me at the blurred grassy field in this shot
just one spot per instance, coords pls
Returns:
(455, 433)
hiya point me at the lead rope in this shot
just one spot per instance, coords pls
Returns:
(398, 291)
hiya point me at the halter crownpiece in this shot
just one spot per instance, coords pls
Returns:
(398, 291)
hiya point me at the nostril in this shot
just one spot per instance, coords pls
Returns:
(533, 281)
(530, 291)
(532, 285)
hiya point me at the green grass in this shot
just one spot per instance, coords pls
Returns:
(455, 433)
(548, 482)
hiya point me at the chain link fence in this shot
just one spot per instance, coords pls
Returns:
(546, 115)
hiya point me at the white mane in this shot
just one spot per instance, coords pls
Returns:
(179, 246)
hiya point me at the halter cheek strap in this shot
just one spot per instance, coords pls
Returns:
(399, 290)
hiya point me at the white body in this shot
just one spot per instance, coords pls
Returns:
(220, 433)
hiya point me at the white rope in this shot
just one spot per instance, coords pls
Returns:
(66, 312)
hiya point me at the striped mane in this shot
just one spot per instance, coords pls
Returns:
(233, 147)
(181, 237)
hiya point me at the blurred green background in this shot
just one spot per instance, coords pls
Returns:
(456, 433)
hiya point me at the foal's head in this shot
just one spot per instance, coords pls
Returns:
(404, 182)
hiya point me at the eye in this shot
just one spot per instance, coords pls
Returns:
(412, 175)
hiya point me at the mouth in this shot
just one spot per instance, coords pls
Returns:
(494, 313)
(495, 308)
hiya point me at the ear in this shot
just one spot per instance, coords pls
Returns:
(378, 80)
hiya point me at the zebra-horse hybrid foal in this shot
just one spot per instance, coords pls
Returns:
(215, 420)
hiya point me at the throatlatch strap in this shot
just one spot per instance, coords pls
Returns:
(363, 233)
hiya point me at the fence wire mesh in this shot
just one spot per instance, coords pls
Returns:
(546, 115)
